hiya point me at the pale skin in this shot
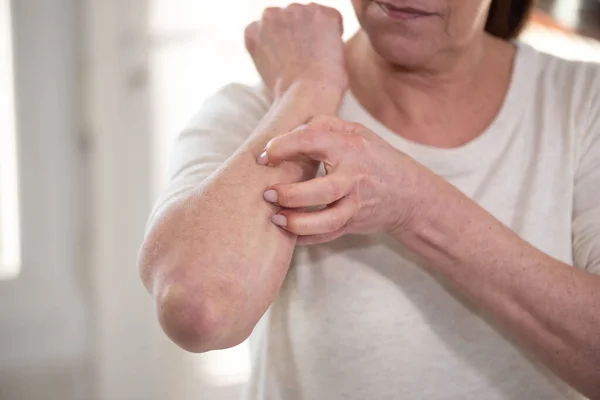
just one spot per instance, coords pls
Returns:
(438, 83)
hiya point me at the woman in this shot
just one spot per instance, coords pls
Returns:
(449, 247)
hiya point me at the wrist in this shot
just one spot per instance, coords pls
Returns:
(437, 216)
(322, 96)
(446, 228)
(417, 198)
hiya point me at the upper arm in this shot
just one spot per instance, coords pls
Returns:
(586, 202)
(222, 125)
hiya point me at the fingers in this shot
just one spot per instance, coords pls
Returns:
(319, 140)
(295, 7)
(328, 220)
(331, 12)
(271, 12)
(306, 142)
(315, 192)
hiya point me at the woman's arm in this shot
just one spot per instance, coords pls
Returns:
(212, 261)
(551, 308)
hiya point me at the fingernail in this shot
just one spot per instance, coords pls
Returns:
(279, 220)
(270, 196)
(263, 159)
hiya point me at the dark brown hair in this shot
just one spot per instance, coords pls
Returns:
(507, 18)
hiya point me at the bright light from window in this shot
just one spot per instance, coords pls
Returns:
(561, 44)
(10, 245)
(567, 11)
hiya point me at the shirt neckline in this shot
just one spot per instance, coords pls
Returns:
(472, 154)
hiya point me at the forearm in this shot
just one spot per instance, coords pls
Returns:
(551, 308)
(213, 261)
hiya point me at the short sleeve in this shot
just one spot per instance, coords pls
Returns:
(586, 202)
(224, 122)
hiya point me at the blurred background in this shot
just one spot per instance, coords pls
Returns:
(92, 94)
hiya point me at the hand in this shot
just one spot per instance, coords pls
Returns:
(298, 43)
(369, 185)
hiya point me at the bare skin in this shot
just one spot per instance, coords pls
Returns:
(207, 300)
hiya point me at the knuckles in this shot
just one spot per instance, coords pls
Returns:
(335, 224)
(297, 10)
(275, 18)
(308, 137)
(334, 190)
(270, 13)
(355, 142)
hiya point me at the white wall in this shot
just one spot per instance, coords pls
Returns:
(134, 360)
(44, 325)
(77, 324)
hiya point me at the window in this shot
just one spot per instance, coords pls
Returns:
(10, 262)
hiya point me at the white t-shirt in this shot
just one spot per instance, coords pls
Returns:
(358, 318)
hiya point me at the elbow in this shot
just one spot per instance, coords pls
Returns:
(194, 318)
(184, 315)
(195, 323)
(191, 323)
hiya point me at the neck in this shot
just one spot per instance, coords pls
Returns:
(430, 104)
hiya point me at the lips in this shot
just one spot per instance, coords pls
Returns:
(404, 12)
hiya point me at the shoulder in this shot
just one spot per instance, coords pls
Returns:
(566, 92)
(570, 80)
